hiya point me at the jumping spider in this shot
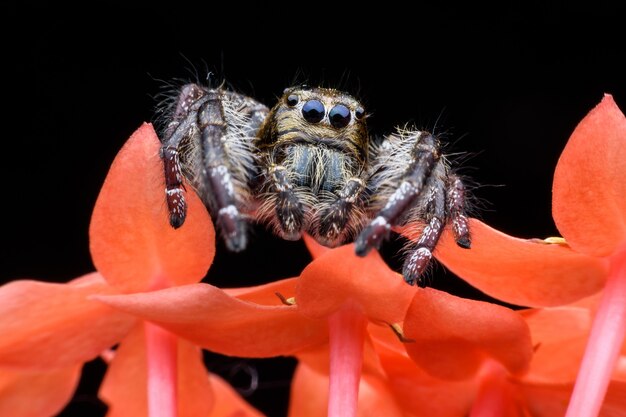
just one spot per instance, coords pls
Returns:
(308, 165)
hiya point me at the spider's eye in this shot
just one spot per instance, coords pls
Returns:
(339, 116)
(313, 111)
(292, 100)
(359, 112)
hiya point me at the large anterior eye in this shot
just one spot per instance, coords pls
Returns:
(313, 111)
(339, 116)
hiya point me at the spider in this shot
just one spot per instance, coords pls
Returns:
(307, 165)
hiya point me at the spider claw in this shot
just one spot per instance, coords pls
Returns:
(464, 242)
(176, 220)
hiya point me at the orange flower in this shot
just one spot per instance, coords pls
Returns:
(589, 209)
(253, 322)
(50, 330)
(339, 298)
(464, 358)
(360, 298)
(161, 266)
(488, 388)
(346, 291)
(560, 335)
(557, 335)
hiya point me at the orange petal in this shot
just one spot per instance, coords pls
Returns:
(453, 336)
(309, 395)
(376, 398)
(46, 325)
(314, 248)
(210, 318)
(589, 189)
(36, 393)
(421, 395)
(131, 241)
(520, 271)
(339, 275)
(227, 402)
(549, 400)
(417, 392)
(124, 388)
(559, 336)
(266, 294)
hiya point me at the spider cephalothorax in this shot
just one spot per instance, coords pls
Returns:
(308, 166)
(314, 144)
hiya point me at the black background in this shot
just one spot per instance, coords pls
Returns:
(507, 85)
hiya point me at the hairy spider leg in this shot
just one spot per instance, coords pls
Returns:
(201, 110)
(216, 174)
(176, 131)
(456, 210)
(425, 157)
(420, 253)
(174, 195)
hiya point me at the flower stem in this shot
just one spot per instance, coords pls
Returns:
(347, 334)
(162, 371)
(603, 348)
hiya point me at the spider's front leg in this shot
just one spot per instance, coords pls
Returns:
(177, 130)
(420, 196)
(214, 127)
(421, 251)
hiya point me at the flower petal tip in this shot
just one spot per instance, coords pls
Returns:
(589, 188)
(131, 240)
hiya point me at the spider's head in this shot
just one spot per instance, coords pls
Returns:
(323, 116)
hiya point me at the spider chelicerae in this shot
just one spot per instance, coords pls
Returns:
(307, 165)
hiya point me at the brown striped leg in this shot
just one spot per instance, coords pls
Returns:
(420, 255)
(424, 158)
(174, 189)
(216, 175)
(191, 97)
(456, 210)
